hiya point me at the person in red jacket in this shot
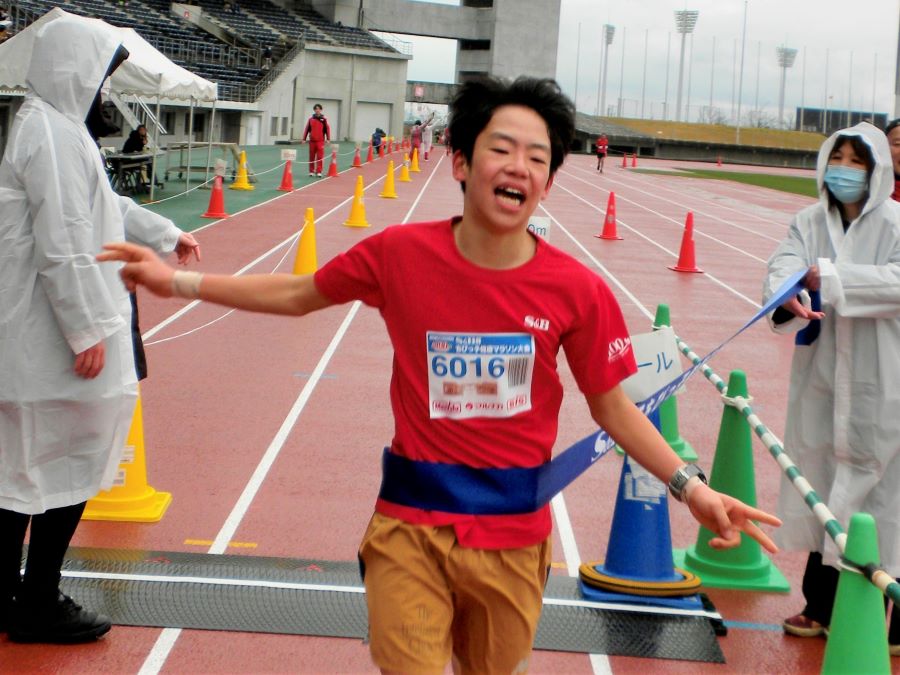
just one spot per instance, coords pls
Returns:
(602, 148)
(317, 132)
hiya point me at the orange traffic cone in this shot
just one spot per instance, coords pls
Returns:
(414, 164)
(633, 159)
(356, 159)
(216, 208)
(369, 154)
(389, 192)
(357, 208)
(332, 168)
(381, 151)
(609, 223)
(686, 259)
(305, 261)
(625, 160)
(287, 178)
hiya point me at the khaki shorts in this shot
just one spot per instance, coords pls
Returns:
(429, 598)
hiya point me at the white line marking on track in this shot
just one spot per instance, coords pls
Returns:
(707, 275)
(164, 644)
(187, 308)
(665, 217)
(656, 195)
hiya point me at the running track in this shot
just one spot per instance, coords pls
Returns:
(268, 431)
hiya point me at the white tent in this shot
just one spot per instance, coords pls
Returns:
(146, 72)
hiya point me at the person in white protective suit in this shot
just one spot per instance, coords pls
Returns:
(67, 372)
(843, 426)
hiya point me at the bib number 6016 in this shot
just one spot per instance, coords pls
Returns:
(457, 366)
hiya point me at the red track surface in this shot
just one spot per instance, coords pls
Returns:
(217, 397)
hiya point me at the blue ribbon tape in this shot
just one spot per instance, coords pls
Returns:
(454, 488)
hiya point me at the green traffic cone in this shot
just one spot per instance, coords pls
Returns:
(668, 411)
(743, 567)
(857, 637)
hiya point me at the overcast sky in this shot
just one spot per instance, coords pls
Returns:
(862, 33)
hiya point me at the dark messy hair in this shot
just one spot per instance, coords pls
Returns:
(893, 124)
(862, 150)
(476, 101)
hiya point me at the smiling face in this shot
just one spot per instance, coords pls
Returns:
(509, 173)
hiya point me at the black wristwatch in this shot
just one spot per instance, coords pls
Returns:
(679, 479)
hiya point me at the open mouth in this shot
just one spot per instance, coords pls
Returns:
(510, 195)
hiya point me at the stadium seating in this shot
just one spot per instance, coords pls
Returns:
(256, 23)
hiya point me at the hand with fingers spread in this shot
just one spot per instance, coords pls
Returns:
(142, 268)
(727, 517)
(90, 362)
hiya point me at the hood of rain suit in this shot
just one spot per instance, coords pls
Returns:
(70, 62)
(881, 183)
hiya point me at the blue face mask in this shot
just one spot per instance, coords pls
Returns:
(848, 185)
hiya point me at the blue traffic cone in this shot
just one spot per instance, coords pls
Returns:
(638, 567)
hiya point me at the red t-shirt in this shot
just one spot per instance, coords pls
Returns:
(474, 376)
(602, 145)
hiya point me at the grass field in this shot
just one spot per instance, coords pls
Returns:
(717, 133)
(795, 184)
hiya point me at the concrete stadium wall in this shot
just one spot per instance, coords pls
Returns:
(523, 34)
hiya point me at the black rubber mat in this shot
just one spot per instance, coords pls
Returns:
(317, 597)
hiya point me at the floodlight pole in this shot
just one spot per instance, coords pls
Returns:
(786, 57)
(737, 130)
(685, 20)
(608, 32)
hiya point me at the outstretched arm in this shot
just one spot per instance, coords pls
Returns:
(268, 293)
(723, 515)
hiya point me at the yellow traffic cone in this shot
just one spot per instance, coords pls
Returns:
(358, 208)
(305, 262)
(241, 181)
(389, 191)
(415, 161)
(404, 170)
(130, 499)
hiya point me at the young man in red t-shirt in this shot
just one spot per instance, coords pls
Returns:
(474, 385)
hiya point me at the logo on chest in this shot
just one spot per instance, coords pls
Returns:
(537, 324)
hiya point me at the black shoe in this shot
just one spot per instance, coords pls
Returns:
(5, 614)
(60, 622)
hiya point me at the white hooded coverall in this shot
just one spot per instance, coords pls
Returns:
(843, 426)
(61, 436)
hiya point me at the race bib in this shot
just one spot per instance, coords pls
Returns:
(479, 375)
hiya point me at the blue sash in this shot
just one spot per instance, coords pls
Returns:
(455, 488)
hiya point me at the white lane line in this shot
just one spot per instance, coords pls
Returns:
(707, 275)
(677, 222)
(360, 590)
(164, 644)
(187, 308)
(767, 221)
(599, 662)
